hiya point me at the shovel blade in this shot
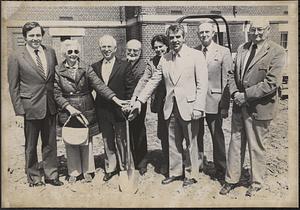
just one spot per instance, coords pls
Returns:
(128, 181)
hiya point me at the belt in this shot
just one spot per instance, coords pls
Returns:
(74, 94)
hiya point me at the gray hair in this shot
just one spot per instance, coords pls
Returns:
(134, 42)
(105, 38)
(212, 25)
(67, 43)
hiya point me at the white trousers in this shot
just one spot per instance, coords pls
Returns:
(80, 159)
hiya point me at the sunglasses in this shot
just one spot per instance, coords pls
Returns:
(71, 51)
(133, 50)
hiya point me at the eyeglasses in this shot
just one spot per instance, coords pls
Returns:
(133, 50)
(71, 51)
(259, 30)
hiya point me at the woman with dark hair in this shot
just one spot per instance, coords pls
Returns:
(160, 45)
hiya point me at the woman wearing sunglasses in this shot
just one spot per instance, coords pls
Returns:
(72, 91)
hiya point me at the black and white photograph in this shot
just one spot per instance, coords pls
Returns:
(149, 104)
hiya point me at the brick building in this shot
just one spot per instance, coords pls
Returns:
(87, 23)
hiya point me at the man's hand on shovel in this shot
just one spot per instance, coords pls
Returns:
(135, 110)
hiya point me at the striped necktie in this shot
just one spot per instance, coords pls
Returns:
(39, 63)
(204, 51)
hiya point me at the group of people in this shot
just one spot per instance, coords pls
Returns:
(186, 85)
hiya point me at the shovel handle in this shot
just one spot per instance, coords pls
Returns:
(128, 144)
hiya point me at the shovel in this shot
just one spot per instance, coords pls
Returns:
(128, 179)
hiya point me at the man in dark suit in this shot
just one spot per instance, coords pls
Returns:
(219, 62)
(253, 86)
(31, 83)
(115, 74)
(137, 126)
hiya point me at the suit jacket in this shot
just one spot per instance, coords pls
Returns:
(137, 70)
(66, 87)
(219, 63)
(189, 87)
(121, 82)
(157, 98)
(31, 94)
(260, 81)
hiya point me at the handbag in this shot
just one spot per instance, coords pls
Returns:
(76, 136)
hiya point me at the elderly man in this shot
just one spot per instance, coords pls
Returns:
(219, 62)
(31, 84)
(115, 74)
(253, 86)
(184, 71)
(137, 126)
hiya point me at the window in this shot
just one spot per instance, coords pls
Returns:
(284, 39)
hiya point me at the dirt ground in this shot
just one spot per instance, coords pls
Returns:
(150, 190)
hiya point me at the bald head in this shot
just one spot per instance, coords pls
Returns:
(133, 50)
(259, 23)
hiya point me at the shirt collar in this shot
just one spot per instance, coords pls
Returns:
(31, 50)
(210, 46)
(181, 52)
(75, 66)
(110, 61)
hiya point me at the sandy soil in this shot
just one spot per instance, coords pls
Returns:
(150, 191)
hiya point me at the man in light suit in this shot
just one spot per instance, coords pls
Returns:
(253, 86)
(184, 71)
(31, 84)
(116, 74)
(219, 62)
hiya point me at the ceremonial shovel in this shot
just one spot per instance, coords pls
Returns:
(128, 179)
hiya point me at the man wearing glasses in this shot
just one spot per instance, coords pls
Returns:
(137, 126)
(253, 87)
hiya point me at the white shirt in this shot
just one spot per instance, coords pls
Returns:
(107, 67)
(41, 54)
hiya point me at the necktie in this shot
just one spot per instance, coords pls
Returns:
(251, 56)
(204, 51)
(39, 63)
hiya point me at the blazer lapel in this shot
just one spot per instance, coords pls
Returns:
(241, 59)
(114, 70)
(264, 50)
(49, 62)
(31, 62)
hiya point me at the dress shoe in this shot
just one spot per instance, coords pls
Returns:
(252, 190)
(168, 180)
(87, 177)
(142, 171)
(72, 179)
(54, 182)
(38, 184)
(227, 187)
(108, 176)
(187, 182)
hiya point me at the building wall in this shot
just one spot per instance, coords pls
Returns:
(82, 13)
(143, 31)
(225, 10)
